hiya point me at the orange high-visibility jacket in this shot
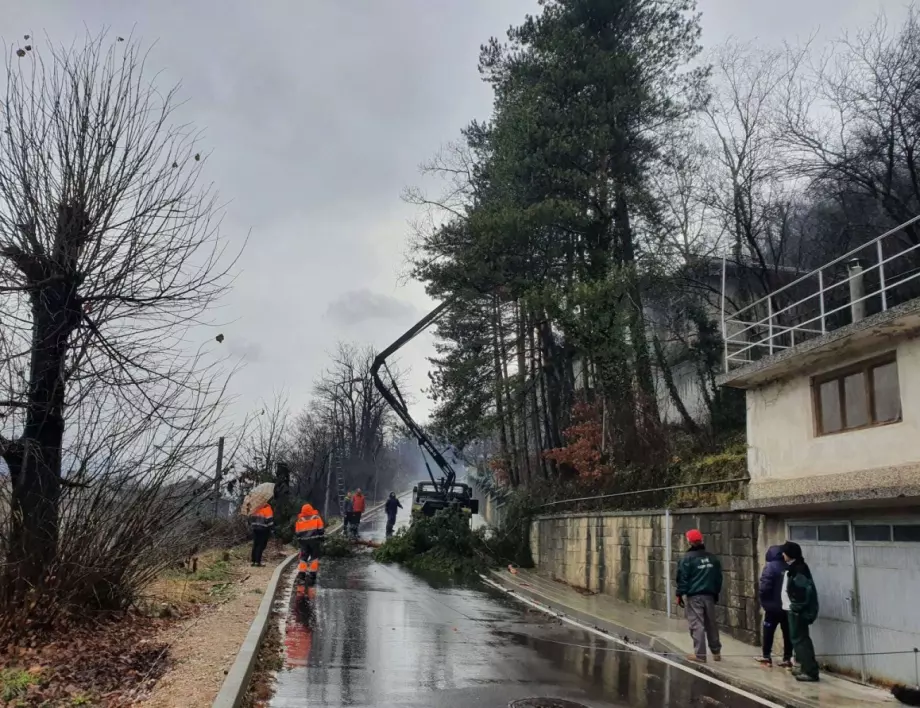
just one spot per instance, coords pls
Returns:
(357, 503)
(309, 524)
(262, 518)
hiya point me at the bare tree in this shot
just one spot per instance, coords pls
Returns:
(265, 444)
(110, 256)
(309, 442)
(354, 412)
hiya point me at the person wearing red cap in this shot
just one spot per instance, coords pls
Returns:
(699, 582)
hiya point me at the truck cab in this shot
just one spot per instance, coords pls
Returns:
(427, 498)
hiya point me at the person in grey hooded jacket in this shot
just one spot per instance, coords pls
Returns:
(771, 600)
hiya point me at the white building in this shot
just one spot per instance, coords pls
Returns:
(832, 382)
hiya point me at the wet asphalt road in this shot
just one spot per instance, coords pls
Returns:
(376, 635)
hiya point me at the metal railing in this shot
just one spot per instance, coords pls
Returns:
(865, 281)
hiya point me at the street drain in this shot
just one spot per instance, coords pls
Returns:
(545, 702)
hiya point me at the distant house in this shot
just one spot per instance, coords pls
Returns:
(199, 495)
(832, 385)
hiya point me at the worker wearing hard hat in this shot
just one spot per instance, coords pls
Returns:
(309, 531)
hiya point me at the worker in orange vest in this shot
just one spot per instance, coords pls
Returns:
(309, 531)
(262, 522)
(357, 508)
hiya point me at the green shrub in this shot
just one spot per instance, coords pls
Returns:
(14, 683)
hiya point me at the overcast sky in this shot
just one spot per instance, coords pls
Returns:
(317, 114)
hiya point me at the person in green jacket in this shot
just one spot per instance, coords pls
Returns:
(800, 599)
(699, 580)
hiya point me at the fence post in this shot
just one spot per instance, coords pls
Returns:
(667, 558)
(881, 274)
(770, 322)
(218, 476)
(821, 298)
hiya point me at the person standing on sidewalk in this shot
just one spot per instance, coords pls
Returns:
(261, 522)
(771, 600)
(800, 599)
(699, 582)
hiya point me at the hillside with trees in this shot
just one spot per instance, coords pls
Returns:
(582, 229)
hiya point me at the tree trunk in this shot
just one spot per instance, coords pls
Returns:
(499, 403)
(534, 405)
(36, 484)
(553, 387)
(509, 403)
(526, 472)
(637, 331)
(547, 423)
(668, 377)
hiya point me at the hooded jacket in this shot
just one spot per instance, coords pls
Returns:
(771, 580)
(392, 505)
(309, 524)
(803, 594)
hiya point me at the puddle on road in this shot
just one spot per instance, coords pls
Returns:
(377, 635)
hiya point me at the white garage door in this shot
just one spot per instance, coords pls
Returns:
(868, 578)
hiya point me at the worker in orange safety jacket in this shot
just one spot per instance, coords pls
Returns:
(261, 522)
(357, 508)
(309, 531)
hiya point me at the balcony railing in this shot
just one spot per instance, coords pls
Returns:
(872, 278)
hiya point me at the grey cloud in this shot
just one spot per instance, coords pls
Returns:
(357, 306)
(250, 352)
(316, 115)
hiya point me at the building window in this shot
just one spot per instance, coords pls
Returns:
(836, 533)
(828, 533)
(872, 532)
(857, 397)
(907, 533)
(803, 533)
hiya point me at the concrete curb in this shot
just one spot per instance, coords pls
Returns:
(237, 681)
(234, 687)
(647, 641)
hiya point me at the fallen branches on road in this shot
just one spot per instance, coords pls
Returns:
(442, 543)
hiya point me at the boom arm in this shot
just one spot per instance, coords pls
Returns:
(394, 399)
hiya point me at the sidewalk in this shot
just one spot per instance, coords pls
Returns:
(655, 631)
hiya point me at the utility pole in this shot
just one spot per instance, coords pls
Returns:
(328, 484)
(218, 475)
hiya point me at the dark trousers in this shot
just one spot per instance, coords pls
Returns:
(771, 620)
(802, 646)
(259, 542)
(391, 522)
(310, 549)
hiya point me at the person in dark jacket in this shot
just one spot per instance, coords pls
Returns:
(699, 580)
(390, 507)
(800, 599)
(771, 600)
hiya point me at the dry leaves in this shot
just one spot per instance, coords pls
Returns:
(105, 665)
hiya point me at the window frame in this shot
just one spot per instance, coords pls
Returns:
(866, 368)
(817, 525)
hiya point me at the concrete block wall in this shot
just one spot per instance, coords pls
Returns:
(623, 554)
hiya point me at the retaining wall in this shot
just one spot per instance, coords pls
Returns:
(624, 554)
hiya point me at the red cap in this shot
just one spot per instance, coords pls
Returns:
(694, 536)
